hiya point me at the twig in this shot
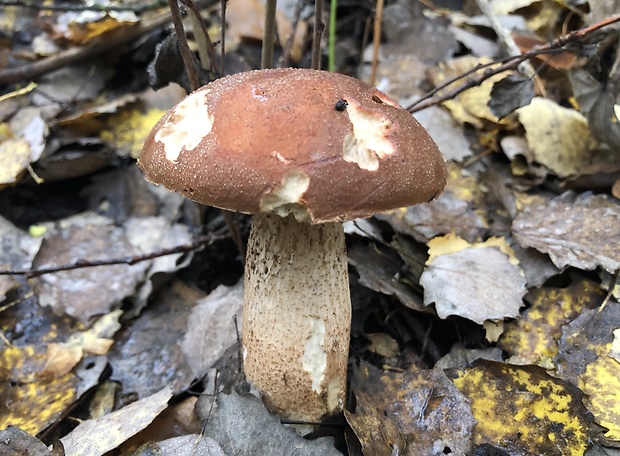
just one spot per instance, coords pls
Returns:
(286, 53)
(30, 273)
(316, 34)
(81, 7)
(269, 35)
(206, 50)
(475, 77)
(33, 70)
(223, 38)
(186, 53)
(376, 41)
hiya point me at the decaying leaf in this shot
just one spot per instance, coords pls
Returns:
(98, 436)
(185, 445)
(475, 281)
(558, 137)
(31, 400)
(533, 338)
(241, 425)
(601, 384)
(449, 137)
(523, 410)
(574, 230)
(417, 412)
(127, 129)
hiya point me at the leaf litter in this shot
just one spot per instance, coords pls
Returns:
(522, 244)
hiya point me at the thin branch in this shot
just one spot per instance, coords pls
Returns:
(319, 26)
(206, 50)
(269, 34)
(80, 264)
(286, 53)
(475, 77)
(223, 38)
(186, 53)
(376, 41)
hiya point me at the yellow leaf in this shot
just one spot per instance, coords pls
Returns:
(523, 409)
(559, 138)
(601, 384)
(127, 129)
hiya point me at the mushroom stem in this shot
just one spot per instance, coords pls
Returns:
(297, 316)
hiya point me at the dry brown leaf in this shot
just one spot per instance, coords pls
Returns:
(574, 230)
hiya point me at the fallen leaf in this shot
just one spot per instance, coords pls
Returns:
(475, 281)
(241, 425)
(417, 412)
(510, 94)
(601, 384)
(16, 442)
(185, 445)
(33, 400)
(523, 410)
(461, 209)
(148, 355)
(534, 337)
(98, 436)
(126, 130)
(558, 137)
(211, 328)
(579, 230)
(86, 292)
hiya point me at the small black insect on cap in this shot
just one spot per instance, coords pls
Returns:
(341, 105)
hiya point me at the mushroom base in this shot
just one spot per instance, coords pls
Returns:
(297, 316)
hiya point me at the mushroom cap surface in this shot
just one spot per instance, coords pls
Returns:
(323, 146)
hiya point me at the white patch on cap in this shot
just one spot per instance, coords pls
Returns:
(368, 142)
(314, 359)
(189, 122)
(285, 198)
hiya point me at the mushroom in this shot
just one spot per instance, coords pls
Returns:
(302, 150)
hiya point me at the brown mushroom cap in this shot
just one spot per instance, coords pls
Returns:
(282, 140)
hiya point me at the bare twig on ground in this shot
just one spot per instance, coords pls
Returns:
(80, 264)
(475, 76)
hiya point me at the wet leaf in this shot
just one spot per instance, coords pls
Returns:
(558, 137)
(148, 356)
(417, 412)
(186, 445)
(475, 281)
(98, 436)
(523, 410)
(510, 94)
(574, 230)
(242, 426)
